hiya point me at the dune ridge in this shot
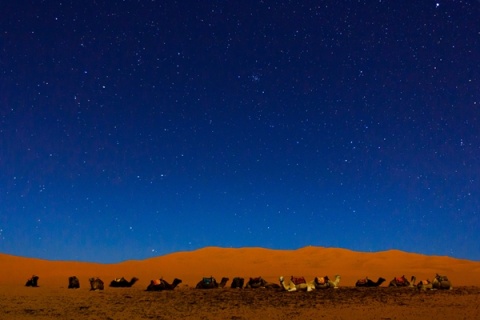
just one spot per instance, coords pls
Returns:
(191, 266)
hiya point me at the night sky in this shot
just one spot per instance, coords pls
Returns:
(133, 129)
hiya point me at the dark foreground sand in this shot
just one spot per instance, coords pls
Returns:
(189, 303)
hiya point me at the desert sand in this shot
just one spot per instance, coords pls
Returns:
(52, 299)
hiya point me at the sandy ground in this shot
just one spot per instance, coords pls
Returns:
(52, 299)
(189, 303)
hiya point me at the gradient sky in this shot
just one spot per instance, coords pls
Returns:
(132, 129)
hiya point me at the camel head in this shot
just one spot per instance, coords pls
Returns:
(176, 282)
(337, 281)
(224, 280)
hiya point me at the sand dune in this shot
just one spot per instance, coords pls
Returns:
(246, 262)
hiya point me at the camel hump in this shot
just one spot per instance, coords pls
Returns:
(298, 280)
(208, 280)
(442, 277)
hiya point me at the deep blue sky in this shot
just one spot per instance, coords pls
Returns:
(132, 129)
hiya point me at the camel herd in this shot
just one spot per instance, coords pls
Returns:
(295, 283)
(438, 282)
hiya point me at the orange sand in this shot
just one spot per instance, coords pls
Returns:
(246, 262)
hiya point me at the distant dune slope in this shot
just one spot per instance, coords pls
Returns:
(246, 262)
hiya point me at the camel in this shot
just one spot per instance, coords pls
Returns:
(237, 282)
(402, 282)
(441, 282)
(424, 285)
(325, 282)
(73, 283)
(96, 284)
(160, 285)
(369, 283)
(123, 283)
(259, 282)
(211, 283)
(297, 284)
(32, 282)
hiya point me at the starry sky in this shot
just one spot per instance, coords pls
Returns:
(132, 129)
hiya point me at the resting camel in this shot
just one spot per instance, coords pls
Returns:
(424, 285)
(259, 282)
(123, 283)
(297, 283)
(325, 282)
(96, 284)
(73, 283)
(32, 282)
(211, 283)
(441, 282)
(369, 283)
(160, 285)
(402, 282)
(237, 282)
